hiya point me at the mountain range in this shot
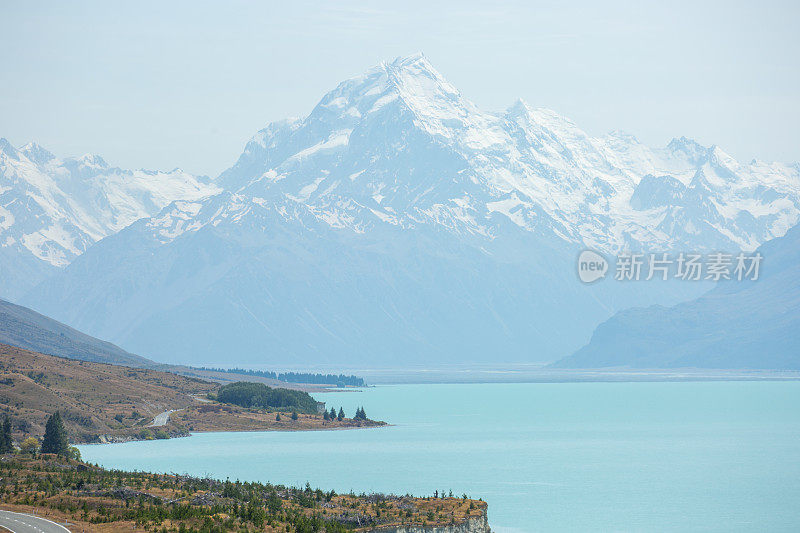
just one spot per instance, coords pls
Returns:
(52, 210)
(396, 223)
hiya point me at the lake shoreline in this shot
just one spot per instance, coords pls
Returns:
(672, 456)
(114, 439)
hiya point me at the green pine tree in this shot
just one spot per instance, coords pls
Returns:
(6, 442)
(340, 417)
(326, 416)
(294, 415)
(55, 436)
(278, 417)
(333, 414)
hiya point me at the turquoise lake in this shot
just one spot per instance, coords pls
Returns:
(687, 456)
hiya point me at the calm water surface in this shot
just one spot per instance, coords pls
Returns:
(719, 456)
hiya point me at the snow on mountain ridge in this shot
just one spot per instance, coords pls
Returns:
(367, 140)
(399, 222)
(56, 208)
(399, 145)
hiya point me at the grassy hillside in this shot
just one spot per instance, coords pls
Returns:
(102, 402)
(94, 398)
(25, 328)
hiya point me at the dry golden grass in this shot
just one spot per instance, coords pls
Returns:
(89, 395)
(108, 402)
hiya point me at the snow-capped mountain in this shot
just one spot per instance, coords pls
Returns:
(399, 222)
(403, 146)
(52, 210)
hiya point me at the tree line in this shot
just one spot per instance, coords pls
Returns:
(332, 415)
(339, 380)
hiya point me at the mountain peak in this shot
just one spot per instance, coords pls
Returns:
(623, 136)
(519, 108)
(415, 77)
(92, 160)
(7, 148)
(415, 65)
(404, 84)
(36, 153)
(416, 60)
(689, 149)
(721, 160)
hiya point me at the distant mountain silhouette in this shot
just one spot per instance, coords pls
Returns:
(25, 328)
(736, 325)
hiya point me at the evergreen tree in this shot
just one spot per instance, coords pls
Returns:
(278, 417)
(340, 417)
(55, 436)
(326, 416)
(333, 414)
(294, 415)
(6, 443)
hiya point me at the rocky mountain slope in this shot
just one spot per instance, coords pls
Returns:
(399, 222)
(738, 324)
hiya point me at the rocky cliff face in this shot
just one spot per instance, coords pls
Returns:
(471, 525)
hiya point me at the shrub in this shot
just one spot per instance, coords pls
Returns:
(29, 445)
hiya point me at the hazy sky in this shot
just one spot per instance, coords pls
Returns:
(166, 84)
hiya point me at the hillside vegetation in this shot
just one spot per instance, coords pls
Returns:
(94, 399)
(98, 500)
(101, 402)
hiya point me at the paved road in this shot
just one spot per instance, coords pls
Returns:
(25, 523)
(161, 419)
